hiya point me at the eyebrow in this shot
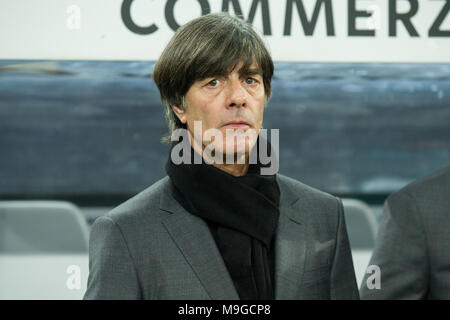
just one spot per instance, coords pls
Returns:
(250, 72)
(242, 71)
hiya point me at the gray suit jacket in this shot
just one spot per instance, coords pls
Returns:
(413, 242)
(151, 248)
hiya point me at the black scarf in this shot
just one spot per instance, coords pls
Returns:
(242, 214)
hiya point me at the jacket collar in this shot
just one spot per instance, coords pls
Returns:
(193, 238)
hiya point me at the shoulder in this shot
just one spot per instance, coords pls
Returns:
(431, 188)
(427, 197)
(295, 190)
(306, 204)
(142, 207)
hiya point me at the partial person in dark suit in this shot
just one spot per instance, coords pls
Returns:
(413, 242)
(220, 229)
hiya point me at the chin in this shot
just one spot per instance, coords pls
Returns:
(240, 145)
(240, 141)
(232, 146)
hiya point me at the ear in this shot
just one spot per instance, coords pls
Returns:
(180, 113)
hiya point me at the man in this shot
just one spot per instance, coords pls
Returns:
(220, 229)
(413, 242)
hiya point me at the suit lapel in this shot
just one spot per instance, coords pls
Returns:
(290, 247)
(193, 238)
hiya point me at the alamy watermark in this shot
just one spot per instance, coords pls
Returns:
(374, 280)
(73, 21)
(234, 142)
(73, 281)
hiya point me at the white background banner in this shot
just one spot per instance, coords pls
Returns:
(294, 30)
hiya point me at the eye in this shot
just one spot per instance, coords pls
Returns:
(213, 83)
(250, 80)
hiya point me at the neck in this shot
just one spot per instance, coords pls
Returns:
(236, 170)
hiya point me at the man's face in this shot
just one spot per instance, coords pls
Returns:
(230, 104)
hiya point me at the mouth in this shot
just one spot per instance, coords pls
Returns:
(237, 124)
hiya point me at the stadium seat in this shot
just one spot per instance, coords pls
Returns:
(43, 250)
(361, 228)
(361, 224)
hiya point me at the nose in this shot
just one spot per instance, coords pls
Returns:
(237, 94)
